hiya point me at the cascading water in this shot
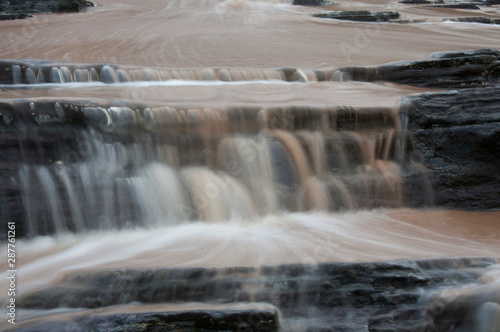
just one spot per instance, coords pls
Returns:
(139, 185)
(174, 166)
(214, 187)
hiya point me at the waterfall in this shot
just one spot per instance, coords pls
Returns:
(137, 166)
(228, 165)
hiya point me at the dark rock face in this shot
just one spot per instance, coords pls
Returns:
(361, 16)
(40, 6)
(461, 54)
(415, 2)
(13, 9)
(333, 296)
(312, 3)
(476, 19)
(13, 16)
(394, 17)
(457, 6)
(469, 70)
(458, 134)
(186, 321)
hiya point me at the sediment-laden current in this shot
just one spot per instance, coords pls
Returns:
(248, 160)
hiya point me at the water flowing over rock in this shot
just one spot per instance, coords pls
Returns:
(402, 295)
(307, 157)
(131, 194)
(264, 319)
(445, 70)
(54, 72)
(348, 156)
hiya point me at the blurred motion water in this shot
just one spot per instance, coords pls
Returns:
(220, 139)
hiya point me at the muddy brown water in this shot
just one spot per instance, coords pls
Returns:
(247, 34)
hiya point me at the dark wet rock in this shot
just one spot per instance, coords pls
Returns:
(361, 16)
(312, 3)
(41, 6)
(333, 296)
(456, 6)
(475, 19)
(461, 54)
(13, 16)
(266, 320)
(479, 310)
(394, 17)
(484, 2)
(415, 2)
(458, 135)
(454, 72)
(452, 4)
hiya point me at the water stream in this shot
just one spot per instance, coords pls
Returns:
(201, 149)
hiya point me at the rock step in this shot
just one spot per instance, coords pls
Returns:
(42, 71)
(360, 16)
(446, 70)
(324, 286)
(312, 3)
(247, 317)
(455, 72)
(403, 295)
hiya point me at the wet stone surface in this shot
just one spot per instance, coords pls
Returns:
(361, 16)
(333, 296)
(312, 3)
(457, 134)
(20, 9)
(188, 321)
(450, 70)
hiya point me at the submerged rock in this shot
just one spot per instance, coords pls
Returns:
(361, 16)
(475, 19)
(415, 2)
(312, 3)
(457, 6)
(380, 295)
